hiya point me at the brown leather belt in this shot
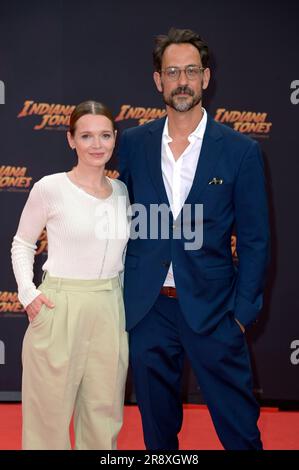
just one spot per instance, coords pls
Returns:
(169, 292)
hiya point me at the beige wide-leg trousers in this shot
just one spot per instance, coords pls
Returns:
(75, 359)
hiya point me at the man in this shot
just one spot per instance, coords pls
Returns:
(180, 300)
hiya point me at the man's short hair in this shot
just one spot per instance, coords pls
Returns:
(179, 36)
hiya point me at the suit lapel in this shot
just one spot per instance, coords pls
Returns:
(153, 153)
(209, 156)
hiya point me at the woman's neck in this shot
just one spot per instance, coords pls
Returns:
(92, 177)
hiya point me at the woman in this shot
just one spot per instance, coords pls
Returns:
(75, 351)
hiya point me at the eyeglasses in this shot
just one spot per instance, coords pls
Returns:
(192, 72)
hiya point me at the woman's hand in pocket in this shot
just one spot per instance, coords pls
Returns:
(34, 307)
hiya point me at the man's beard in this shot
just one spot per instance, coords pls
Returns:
(182, 105)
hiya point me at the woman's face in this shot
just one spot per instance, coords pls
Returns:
(94, 140)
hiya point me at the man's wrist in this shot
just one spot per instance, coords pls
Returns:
(240, 325)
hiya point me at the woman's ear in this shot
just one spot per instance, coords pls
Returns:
(70, 140)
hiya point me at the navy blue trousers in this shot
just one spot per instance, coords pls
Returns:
(220, 362)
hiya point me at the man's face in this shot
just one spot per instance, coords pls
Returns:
(183, 93)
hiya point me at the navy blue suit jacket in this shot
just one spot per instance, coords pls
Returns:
(207, 282)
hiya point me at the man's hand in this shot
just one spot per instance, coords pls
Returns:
(240, 325)
(33, 309)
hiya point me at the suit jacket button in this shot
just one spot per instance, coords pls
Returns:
(166, 264)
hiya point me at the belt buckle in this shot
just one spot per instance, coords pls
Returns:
(172, 296)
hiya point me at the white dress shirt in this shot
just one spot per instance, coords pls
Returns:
(178, 175)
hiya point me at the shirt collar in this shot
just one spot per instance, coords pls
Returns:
(197, 133)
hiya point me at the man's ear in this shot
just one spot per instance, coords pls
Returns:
(206, 78)
(157, 80)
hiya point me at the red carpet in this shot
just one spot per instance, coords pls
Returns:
(280, 430)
